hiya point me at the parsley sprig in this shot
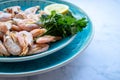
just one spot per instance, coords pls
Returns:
(62, 24)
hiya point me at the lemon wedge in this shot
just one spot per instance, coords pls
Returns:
(59, 8)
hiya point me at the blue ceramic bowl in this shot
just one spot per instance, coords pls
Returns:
(57, 59)
(53, 47)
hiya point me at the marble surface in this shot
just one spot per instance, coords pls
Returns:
(101, 60)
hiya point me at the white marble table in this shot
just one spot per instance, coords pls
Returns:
(101, 60)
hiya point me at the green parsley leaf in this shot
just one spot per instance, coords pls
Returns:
(62, 24)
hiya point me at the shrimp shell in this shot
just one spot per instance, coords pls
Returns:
(16, 28)
(21, 15)
(13, 36)
(42, 12)
(12, 47)
(27, 24)
(38, 32)
(3, 27)
(5, 16)
(25, 40)
(33, 16)
(1, 36)
(37, 48)
(13, 10)
(3, 50)
(47, 39)
(32, 10)
(23, 45)
(8, 24)
(27, 36)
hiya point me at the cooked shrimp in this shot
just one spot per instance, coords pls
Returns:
(16, 28)
(3, 50)
(3, 27)
(8, 24)
(1, 35)
(21, 32)
(13, 10)
(27, 36)
(16, 20)
(21, 15)
(12, 47)
(5, 16)
(23, 45)
(33, 16)
(27, 24)
(37, 48)
(25, 40)
(38, 32)
(32, 10)
(47, 39)
(42, 12)
(13, 35)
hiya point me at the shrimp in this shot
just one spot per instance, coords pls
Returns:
(37, 48)
(47, 39)
(8, 24)
(27, 24)
(32, 10)
(16, 28)
(21, 15)
(3, 50)
(5, 16)
(13, 10)
(33, 16)
(12, 47)
(5, 26)
(25, 40)
(27, 36)
(23, 45)
(13, 35)
(38, 32)
(42, 12)
(1, 35)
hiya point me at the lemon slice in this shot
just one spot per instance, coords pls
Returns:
(59, 8)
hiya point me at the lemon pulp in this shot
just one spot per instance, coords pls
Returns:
(59, 8)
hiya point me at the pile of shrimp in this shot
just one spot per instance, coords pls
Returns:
(20, 35)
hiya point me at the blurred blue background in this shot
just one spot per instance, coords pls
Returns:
(101, 60)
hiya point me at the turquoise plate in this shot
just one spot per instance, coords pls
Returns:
(53, 47)
(55, 60)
